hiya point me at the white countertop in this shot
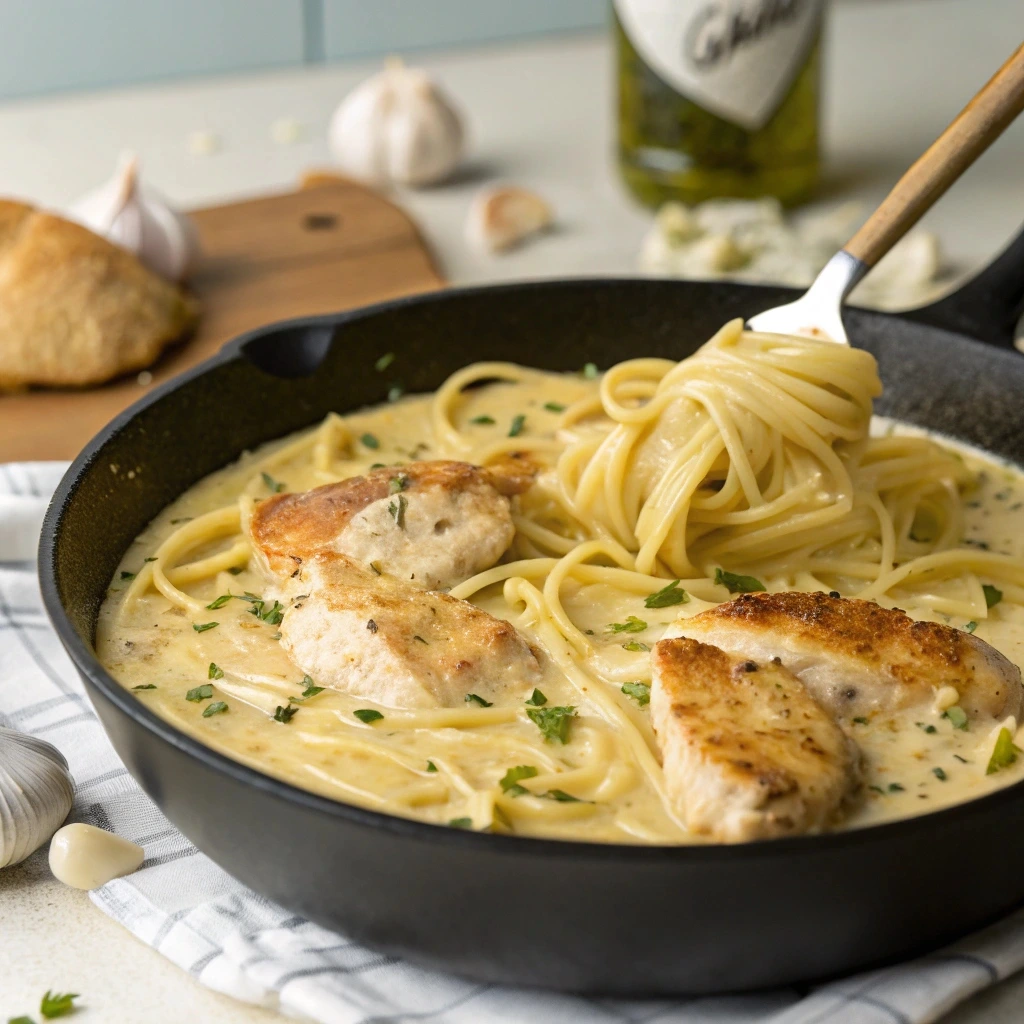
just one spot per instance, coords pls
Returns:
(540, 114)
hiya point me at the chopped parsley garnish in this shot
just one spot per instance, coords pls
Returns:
(993, 595)
(198, 693)
(368, 715)
(311, 690)
(127, 575)
(215, 671)
(552, 722)
(640, 692)
(537, 699)
(398, 483)
(483, 421)
(859, 720)
(736, 584)
(20, 1020)
(926, 726)
(590, 371)
(554, 407)
(670, 595)
(395, 392)
(384, 362)
(215, 708)
(274, 615)
(396, 509)
(145, 686)
(957, 716)
(939, 774)
(370, 441)
(635, 645)
(460, 823)
(562, 797)
(473, 698)
(962, 760)
(431, 767)
(202, 627)
(510, 780)
(631, 625)
(55, 1004)
(272, 485)
(285, 714)
(971, 626)
(375, 566)
(235, 570)
(219, 602)
(377, 465)
(152, 558)
(518, 422)
(181, 519)
(895, 787)
(1004, 753)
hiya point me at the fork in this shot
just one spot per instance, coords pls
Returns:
(818, 312)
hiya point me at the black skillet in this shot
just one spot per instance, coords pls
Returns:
(572, 916)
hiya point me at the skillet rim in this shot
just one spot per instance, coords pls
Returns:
(86, 662)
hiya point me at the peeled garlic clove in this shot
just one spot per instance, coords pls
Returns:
(397, 126)
(36, 792)
(140, 221)
(502, 217)
(86, 857)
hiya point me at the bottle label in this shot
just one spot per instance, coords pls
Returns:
(735, 58)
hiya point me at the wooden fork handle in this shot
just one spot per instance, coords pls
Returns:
(977, 126)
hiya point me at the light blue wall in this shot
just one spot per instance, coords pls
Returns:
(51, 45)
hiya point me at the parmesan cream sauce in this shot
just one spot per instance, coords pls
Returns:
(915, 762)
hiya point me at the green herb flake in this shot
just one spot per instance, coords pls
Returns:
(57, 1005)
(145, 686)
(640, 692)
(635, 645)
(272, 485)
(219, 602)
(235, 570)
(20, 1020)
(590, 371)
(993, 595)
(311, 690)
(198, 693)
(510, 780)
(971, 626)
(473, 698)
(431, 767)
(369, 441)
(552, 722)
(367, 715)
(939, 774)
(877, 789)
(215, 671)
(537, 699)
(957, 716)
(152, 558)
(396, 509)
(562, 797)
(555, 407)
(384, 362)
(395, 392)
(1004, 753)
(962, 760)
(127, 575)
(285, 714)
(460, 823)
(398, 483)
(860, 720)
(202, 627)
(274, 614)
(181, 519)
(895, 787)
(631, 625)
(215, 708)
(736, 584)
(483, 421)
(926, 727)
(518, 422)
(667, 596)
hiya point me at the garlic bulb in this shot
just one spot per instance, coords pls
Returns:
(140, 221)
(396, 127)
(36, 793)
(500, 218)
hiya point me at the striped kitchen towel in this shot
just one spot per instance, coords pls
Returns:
(239, 943)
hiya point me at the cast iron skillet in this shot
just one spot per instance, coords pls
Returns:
(584, 917)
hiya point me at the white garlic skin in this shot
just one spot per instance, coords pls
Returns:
(36, 793)
(86, 857)
(141, 221)
(397, 127)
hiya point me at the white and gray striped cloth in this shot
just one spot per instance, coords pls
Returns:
(235, 941)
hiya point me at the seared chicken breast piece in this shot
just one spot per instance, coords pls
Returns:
(747, 752)
(857, 658)
(432, 523)
(380, 637)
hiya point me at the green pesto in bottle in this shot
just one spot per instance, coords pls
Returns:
(718, 98)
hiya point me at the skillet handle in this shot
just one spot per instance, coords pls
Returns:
(988, 306)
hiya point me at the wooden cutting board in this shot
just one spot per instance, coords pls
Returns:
(331, 245)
